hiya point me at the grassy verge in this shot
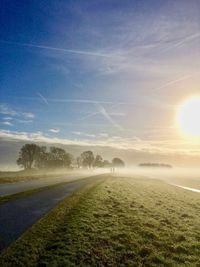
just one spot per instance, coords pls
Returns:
(20, 176)
(118, 222)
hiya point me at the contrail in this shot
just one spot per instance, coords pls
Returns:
(98, 112)
(182, 42)
(84, 101)
(43, 98)
(71, 100)
(107, 116)
(174, 81)
(80, 52)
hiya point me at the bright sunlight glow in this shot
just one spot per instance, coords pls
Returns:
(188, 117)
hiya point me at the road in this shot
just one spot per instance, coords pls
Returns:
(17, 187)
(18, 215)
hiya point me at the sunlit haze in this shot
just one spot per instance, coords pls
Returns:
(188, 117)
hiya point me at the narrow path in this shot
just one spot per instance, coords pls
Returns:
(7, 189)
(18, 215)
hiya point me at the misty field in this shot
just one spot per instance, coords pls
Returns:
(116, 221)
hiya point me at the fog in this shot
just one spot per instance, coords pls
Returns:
(180, 176)
(189, 177)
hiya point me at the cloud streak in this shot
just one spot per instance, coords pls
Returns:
(7, 123)
(43, 98)
(54, 130)
(182, 42)
(14, 115)
(106, 115)
(69, 51)
(164, 147)
(182, 78)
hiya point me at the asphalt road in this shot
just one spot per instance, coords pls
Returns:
(18, 215)
(17, 187)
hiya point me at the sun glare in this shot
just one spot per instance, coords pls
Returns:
(188, 117)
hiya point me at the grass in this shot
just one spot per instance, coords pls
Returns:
(27, 175)
(115, 222)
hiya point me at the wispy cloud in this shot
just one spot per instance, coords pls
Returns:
(71, 51)
(24, 121)
(76, 133)
(54, 130)
(100, 112)
(8, 123)
(117, 114)
(105, 135)
(8, 118)
(7, 110)
(83, 134)
(165, 147)
(181, 42)
(81, 101)
(73, 100)
(14, 116)
(180, 79)
(27, 115)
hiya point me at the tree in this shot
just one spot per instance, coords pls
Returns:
(27, 155)
(98, 162)
(87, 158)
(79, 162)
(58, 157)
(42, 158)
(117, 162)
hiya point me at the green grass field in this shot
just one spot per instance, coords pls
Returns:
(28, 175)
(116, 221)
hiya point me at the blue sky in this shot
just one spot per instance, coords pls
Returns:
(98, 72)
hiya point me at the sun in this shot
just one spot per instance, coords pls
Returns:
(188, 117)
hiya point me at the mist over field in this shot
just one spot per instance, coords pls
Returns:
(9, 151)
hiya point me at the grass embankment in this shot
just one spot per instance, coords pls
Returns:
(28, 175)
(118, 222)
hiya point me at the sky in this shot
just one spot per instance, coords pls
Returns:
(104, 73)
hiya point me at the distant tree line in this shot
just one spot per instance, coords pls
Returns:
(34, 156)
(158, 165)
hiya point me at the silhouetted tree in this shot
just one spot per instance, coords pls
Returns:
(42, 158)
(58, 157)
(98, 162)
(87, 158)
(27, 155)
(117, 162)
(79, 162)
